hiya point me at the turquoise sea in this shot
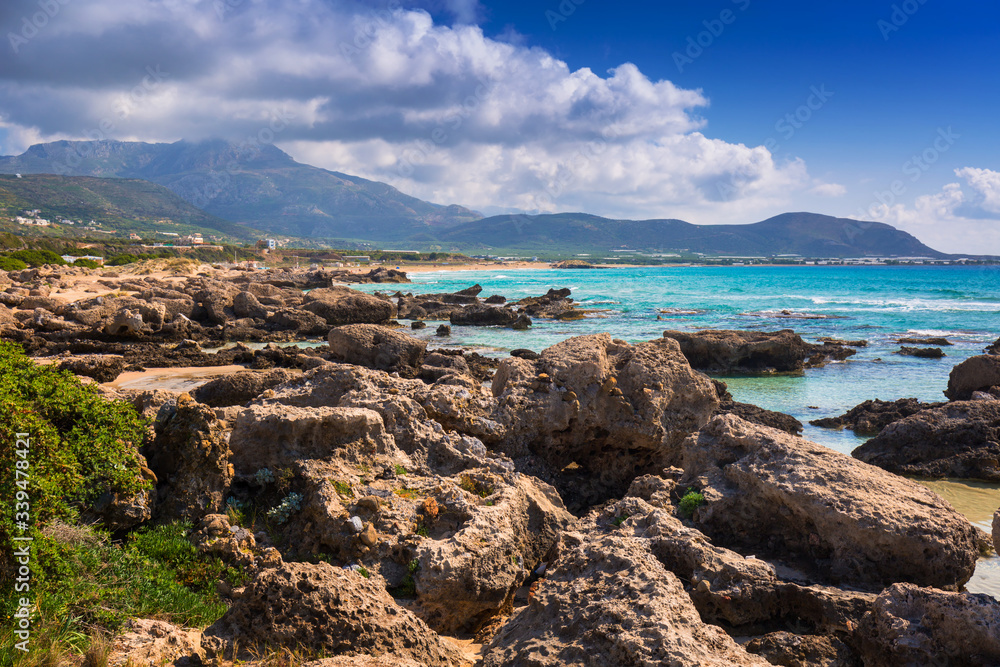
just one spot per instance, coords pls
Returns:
(876, 303)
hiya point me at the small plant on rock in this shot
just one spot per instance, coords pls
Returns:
(291, 503)
(691, 501)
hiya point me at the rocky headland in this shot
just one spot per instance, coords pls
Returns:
(599, 502)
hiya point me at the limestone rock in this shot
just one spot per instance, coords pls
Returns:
(239, 388)
(607, 601)
(190, 457)
(246, 304)
(276, 436)
(340, 306)
(377, 347)
(870, 417)
(483, 315)
(729, 351)
(150, 642)
(851, 522)
(470, 574)
(909, 625)
(959, 439)
(320, 608)
(996, 531)
(103, 368)
(612, 409)
(790, 650)
(125, 323)
(974, 374)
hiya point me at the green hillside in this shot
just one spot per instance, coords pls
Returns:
(118, 206)
(260, 186)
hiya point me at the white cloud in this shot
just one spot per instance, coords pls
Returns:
(442, 112)
(952, 220)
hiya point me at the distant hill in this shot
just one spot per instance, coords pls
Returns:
(260, 186)
(123, 205)
(806, 234)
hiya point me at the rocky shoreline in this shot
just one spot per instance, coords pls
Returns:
(599, 502)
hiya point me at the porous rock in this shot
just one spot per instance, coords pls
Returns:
(728, 351)
(377, 347)
(607, 600)
(614, 410)
(959, 439)
(239, 388)
(909, 625)
(321, 608)
(974, 374)
(849, 522)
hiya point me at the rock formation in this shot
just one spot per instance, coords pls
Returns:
(972, 375)
(754, 351)
(958, 439)
(847, 522)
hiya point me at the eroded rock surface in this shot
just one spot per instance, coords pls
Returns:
(870, 417)
(959, 439)
(909, 625)
(377, 347)
(600, 410)
(726, 351)
(848, 522)
(320, 608)
(975, 374)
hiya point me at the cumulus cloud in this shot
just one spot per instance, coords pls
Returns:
(954, 220)
(382, 91)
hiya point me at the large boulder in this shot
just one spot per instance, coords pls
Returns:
(377, 347)
(239, 388)
(466, 575)
(346, 306)
(848, 522)
(607, 600)
(246, 304)
(100, 367)
(909, 625)
(276, 436)
(555, 304)
(323, 609)
(960, 439)
(727, 351)
(870, 417)
(972, 375)
(483, 315)
(190, 457)
(610, 409)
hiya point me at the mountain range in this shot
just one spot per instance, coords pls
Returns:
(261, 187)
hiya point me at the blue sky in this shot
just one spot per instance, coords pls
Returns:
(720, 111)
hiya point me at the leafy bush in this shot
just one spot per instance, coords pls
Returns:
(80, 444)
(87, 264)
(38, 257)
(121, 260)
(691, 501)
(11, 264)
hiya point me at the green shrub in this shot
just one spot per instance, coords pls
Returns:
(38, 257)
(691, 501)
(87, 264)
(121, 260)
(11, 264)
(80, 444)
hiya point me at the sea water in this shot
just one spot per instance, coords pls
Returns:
(879, 304)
